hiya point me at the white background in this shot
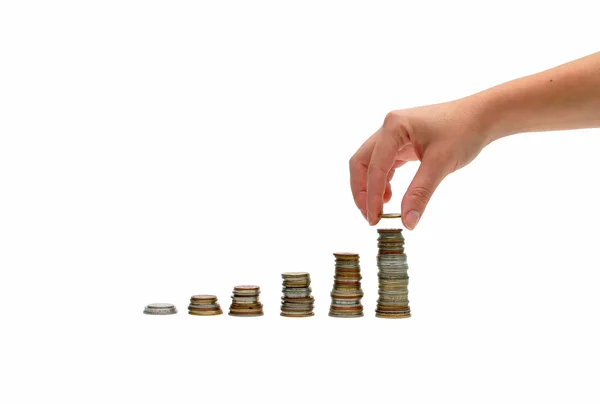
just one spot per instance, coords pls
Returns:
(152, 150)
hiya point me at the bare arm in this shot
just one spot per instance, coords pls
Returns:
(565, 97)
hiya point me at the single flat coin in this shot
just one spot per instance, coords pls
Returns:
(349, 255)
(247, 287)
(295, 274)
(161, 306)
(206, 313)
(160, 309)
(382, 315)
(387, 232)
(204, 298)
(297, 315)
(192, 307)
(390, 215)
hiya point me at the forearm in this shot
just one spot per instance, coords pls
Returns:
(565, 97)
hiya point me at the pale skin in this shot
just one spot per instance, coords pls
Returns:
(446, 137)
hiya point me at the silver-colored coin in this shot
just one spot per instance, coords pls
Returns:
(345, 302)
(297, 292)
(393, 283)
(161, 306)
(392, 303)
(204, 305)
(391, 293)
(245, 294)
(160, 309)
(248, 299)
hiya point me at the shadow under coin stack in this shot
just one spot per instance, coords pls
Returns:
(297, 300)
(346, 294)
(393, 275)
(245, 302)
(204, 305)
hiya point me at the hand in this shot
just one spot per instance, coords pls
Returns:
(444, 137)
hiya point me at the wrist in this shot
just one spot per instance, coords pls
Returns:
(486, 115)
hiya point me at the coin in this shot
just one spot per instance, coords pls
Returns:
(206, 313)
(192, 307)
(284, 314)
(201, 306)
(391, 315)
(346, 254)
(204, 298)
(390, 215)
(160, 309)
(295, 275)
(161, 306)
(297, 299)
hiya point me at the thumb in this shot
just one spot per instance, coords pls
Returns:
(430, 174)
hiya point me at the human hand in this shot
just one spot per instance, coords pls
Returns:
(444, 137)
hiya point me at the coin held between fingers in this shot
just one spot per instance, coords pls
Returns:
(390, 216)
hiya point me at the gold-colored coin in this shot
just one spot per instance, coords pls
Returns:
(297, 315)
(295, 275)
(206, 313)
(385, 315)
(390, 216)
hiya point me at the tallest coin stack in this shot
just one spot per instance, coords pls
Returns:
(393, 276)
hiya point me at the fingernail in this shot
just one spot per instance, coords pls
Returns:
(412, 218)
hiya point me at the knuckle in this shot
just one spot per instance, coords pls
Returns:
(396, 126)
(421, 195)
(391, 119)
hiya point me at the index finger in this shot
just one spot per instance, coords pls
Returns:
(359, 163)
(382, 161)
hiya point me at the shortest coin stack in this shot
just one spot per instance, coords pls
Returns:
(204, 305)
(245, 301)
(297, 300)
(160, 309)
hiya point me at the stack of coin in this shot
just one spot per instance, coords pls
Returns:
(393, 276)
(245, 302)
(346, 294)
(158, 309)
(297, 300)
(204, 305)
